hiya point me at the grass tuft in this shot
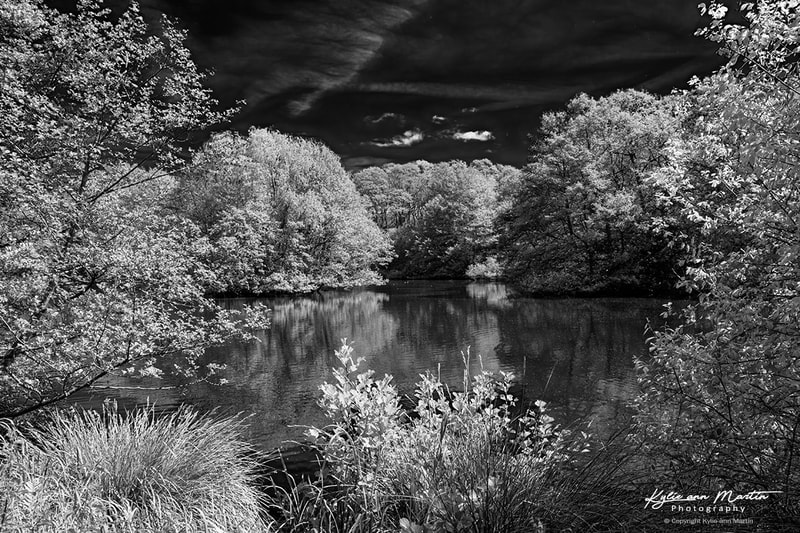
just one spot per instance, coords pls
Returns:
(115, 472)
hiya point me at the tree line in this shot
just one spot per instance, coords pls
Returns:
(592, 211)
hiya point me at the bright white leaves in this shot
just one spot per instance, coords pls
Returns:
(715, 10)
(97, 275)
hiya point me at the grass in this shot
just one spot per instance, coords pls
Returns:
(89, 471)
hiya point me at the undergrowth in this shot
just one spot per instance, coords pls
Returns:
(458, 461)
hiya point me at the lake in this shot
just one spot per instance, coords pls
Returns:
(574, 353)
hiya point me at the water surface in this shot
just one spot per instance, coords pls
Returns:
(576, 354)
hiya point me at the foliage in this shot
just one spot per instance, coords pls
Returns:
(388, 192)
(589, 213)
(95, 277)
(456, 462)
(441, 216)
(487, 270)
(137, 472)
(281, 214)
(721, 400)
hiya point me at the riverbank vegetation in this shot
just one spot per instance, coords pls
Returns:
(593, 211)
(97, 275)
(472, 460)
(721, 394)
(114, 238)
(454, 461)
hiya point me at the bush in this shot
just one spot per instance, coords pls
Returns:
(720, 401)
(86, 471)
(457, 461)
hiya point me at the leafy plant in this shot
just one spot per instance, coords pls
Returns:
(457, 461)
(281, 215)
(721, 403)
(440, 215)
(488, 269)
(589, 213)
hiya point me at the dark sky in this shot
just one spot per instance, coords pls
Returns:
(398, 80)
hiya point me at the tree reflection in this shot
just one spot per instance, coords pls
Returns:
(574, 353)
(570, 345)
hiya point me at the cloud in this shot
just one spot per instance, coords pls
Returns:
(290, 53)
(528, 93)
(481, 136)
(408, 138)
(385, 117)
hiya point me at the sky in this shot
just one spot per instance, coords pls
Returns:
(398, 80)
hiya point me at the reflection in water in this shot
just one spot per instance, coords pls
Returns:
(574, 353)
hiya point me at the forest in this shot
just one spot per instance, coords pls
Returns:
(122, 220)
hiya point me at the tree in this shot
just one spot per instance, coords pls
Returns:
(95, 277)
(451, 224)
(389, 203)
(439, 215)
(721, 395)
(281, 214)
(589, 212)
(392, 191)
(507, 178)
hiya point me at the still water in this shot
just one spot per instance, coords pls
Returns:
(576, 354)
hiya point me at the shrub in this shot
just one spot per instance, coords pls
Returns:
(457, 461)
(720, 401)
(97, 275)
(87, 471)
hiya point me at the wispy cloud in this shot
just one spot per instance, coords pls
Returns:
(297, 51)
(385, 117)
(520, 94)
